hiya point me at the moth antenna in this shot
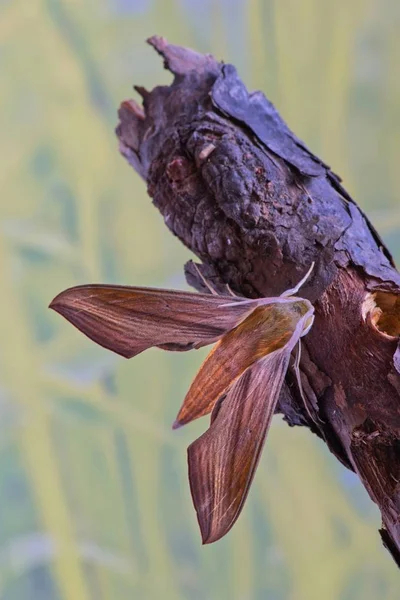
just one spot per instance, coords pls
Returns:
(303, 188)
(204, 280)
(228, 287)
(293, 291)
(300, 386)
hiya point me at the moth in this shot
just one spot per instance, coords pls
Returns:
(238, 383)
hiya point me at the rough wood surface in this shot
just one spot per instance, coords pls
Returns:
(257, 207)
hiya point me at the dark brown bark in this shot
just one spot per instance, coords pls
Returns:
(246, 195)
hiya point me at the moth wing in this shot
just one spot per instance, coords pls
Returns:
(128, 320)
(223, 461)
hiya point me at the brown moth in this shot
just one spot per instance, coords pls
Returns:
(239, 382)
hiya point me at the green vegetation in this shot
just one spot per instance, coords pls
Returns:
(94, 497)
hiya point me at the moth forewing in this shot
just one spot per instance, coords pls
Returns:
(128, 320)
(223, 461)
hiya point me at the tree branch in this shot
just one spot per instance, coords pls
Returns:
(248, 198)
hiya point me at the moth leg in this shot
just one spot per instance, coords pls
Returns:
(204, 280)
(293, 291)
(297, 371)
(232, 293)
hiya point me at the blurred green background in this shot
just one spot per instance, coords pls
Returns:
(94, 498)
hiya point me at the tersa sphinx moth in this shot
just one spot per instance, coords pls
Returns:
(238, 383)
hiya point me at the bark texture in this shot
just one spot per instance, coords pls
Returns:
(257, 207)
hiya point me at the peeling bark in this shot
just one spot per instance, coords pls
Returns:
(257, 207)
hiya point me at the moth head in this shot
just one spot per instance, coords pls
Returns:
(304, 309)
